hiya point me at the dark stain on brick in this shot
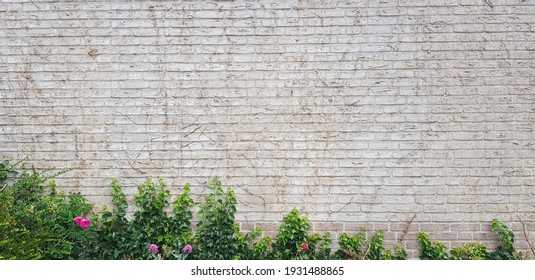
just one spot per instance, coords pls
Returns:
(92, 53)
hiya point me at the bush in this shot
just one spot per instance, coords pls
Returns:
(433, 250)
(37, 222)
(168, 234)
(470, 251)
(130, 239)
(292, 234)
(294, 242)
(506, 248)
(114, 229)
(357, 247)
(219, 237)
(16, 242)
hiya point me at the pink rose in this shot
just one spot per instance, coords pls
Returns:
(153, 248)
(85, 223)
(78, 220)
(187, 249)
(304, 247)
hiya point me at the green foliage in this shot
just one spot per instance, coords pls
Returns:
(6, 169)
(114, 231)
(506, 248)
(219, 237)
(121, 238)
(324, 251)
(470, 251)
(352, 246)
(292, 233)
(434, 250)
(244, 242)
(294, 242)
(150, 222)
(261, 250)
(431, 250)
(36, 222)
(358, 247)
(181, 221)
(16, 242)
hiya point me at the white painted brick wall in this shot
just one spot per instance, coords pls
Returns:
(358, 113)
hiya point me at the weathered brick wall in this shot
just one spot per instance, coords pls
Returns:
(396, 115)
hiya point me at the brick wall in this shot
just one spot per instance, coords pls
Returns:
(396, 115)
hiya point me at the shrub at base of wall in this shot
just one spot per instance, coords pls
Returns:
(37, 222)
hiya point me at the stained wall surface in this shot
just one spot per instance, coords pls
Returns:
(393, 115)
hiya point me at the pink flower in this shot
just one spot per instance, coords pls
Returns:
(78, 220)
(153, 248)
(187, 249)
(304, 247)
(85, 223)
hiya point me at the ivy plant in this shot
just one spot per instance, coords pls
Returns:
(431, 250)
(218, 236)
(506, 249)
(358, 247)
